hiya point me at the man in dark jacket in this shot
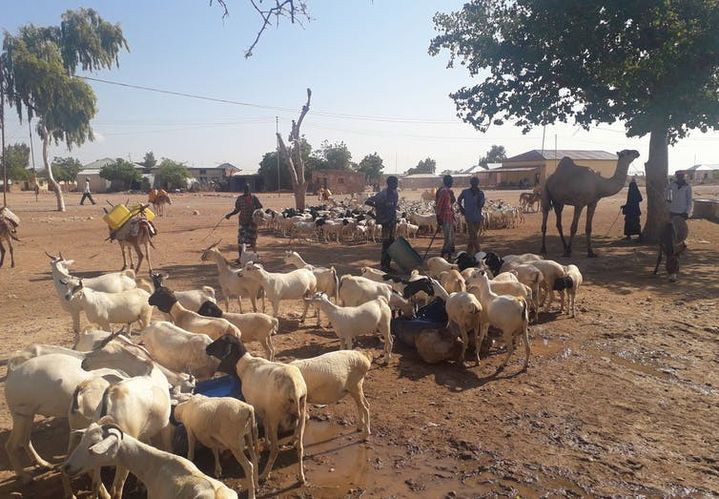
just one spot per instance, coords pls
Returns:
(385, 207)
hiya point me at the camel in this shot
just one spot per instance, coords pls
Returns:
(580, 186)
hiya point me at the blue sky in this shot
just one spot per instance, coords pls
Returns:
(365, 60)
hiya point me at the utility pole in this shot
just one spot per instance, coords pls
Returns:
(277, 130)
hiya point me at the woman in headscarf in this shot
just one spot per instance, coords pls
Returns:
(245, 205)
(632, 212)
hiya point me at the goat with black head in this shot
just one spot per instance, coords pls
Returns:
(494, 262)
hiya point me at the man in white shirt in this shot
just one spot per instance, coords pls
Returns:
(86, 194)
(679, 199)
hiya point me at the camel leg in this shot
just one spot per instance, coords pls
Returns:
(12, 253)
(2, 253)
(545, 215)
(558, 214)
(573, 230)
(140, 256)
(588, 229)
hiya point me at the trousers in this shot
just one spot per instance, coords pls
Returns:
(473, 237)
(448, 232)
(388, 232)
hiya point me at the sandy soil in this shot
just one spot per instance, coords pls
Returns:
(621, 400)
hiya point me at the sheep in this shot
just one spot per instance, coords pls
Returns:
(254, 326)
(331, 376)
(42, 385)
(114, 282)
(165, 475)
(17, 358)
(569, 286)
(452, 281)
(355, 290)
(90, 339)
(103, 308)
(507, 283)
(191, 299)
(222, 423)
(529, 275)
(523, 258)
(293, 285)
(285, 404)
(437, 265)
(164, 299)
(506, 313)
(179, 350)
(140, 405)
(465, 310)
(351, 321)
(551, 271)
(429, 221)
(327, 280)
(232, 283)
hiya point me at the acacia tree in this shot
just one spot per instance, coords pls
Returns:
(39, 70)
(371, 165)
(652, 64)
(293, 157)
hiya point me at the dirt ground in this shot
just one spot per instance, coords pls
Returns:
(620, 401)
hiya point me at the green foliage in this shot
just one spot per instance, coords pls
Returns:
(121, 171)
(652, 64)
(425, 166)
(149, 160)
(16, 159)
(371, 165)
(333, 157)
(65, 169)
(496, 154)
(172, 174)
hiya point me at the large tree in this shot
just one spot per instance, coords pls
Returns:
(149, 161)
(424, 166)
(39, 66)
(65, 169)
(172, 174)
(372, 166)
(17, 159)
(268, 167)
(121, 171)
(651, 64)
(335, 156)
(496, 154)
(294, 158)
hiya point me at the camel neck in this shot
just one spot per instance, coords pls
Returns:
(614, 184)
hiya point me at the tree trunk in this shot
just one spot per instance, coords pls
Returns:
(50, 176)
(300, 190)
(657, 172)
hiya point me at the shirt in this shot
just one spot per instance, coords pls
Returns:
(443, 205)
(246, 206)
(385, 206)
(87, 187)
(472, 203)
(679, 198)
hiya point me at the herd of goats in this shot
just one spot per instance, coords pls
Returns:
(124, 395)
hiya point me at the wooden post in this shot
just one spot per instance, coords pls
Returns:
(2, 135)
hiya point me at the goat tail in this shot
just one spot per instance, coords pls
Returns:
(275, 326)
(75, 406)
(337, 283)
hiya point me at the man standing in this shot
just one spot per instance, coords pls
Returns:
(471, 202)
(86, 194)
(245, 205)
(679, 198)
(385, 207)
(445, 215)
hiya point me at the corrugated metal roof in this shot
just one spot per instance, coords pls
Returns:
(702, 167)
(575, 154)
(421, 175)
(97, 164)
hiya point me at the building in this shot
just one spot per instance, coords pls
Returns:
(533, 167)
(338, 181)
(213, 175)
(702, 174)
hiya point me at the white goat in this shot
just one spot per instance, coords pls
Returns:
(293, 285)
(452, 281)
(436, 265)
(104, 309)
(114, 282)
(327, 280)
(506, 313)
(356, 290)
(331, 376)
(191, 299)
(42, 385)
(285, 405)
(179, 350)
(351, 321)
(529, 275)
(140, 405)
(551, 271)
(165, 475)
(232, 283)
(221, 423)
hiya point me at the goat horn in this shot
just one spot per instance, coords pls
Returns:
(49, 256)
(61, 257)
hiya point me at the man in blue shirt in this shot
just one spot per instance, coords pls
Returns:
(385, 207)
(471, 202)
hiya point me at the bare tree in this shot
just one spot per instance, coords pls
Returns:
(293, 156)
(294, 10)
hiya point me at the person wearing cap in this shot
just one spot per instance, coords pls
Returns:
(679, 199)
(471, 202)
(86, 194)
(445, 214)
(385, 206)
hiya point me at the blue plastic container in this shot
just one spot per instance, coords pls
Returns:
(225, 386)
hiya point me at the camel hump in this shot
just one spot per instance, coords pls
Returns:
(566, 162)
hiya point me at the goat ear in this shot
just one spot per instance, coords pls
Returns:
(107, 447)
